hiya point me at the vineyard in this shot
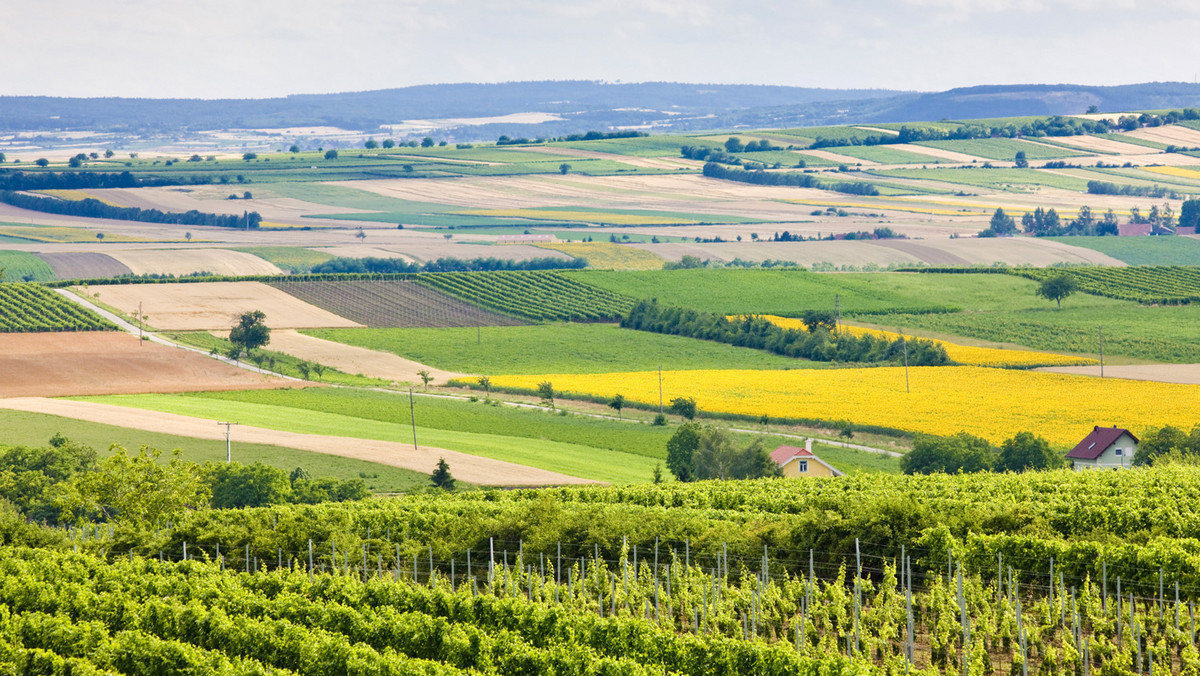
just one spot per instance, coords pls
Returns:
(1161, 285)
(392, 304)
(995, 574)
(538, 296)
(28, 308)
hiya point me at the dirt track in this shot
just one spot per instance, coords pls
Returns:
(104, 362)
(469, 468)
(1188, 374)
(351, 359)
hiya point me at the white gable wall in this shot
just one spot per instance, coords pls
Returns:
(1110, 459)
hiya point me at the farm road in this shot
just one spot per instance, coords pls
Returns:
(469, 468)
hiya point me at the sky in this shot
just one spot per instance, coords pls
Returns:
(265, 48)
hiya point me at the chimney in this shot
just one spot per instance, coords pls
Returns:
(808, 445)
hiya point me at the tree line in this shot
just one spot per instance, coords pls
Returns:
(79, 180)
(92, 208)
(789, 178)
(821, 342)
(398, 265)
(1109, 188)
(589, 136)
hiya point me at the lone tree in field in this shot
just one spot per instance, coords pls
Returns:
(441, 476)
(1001, 224)
(685, 407)
(1020, 160)
(1056, 288)
(564, 168)
(545, 391)
(250, 332)
(486, 383)
(425, 377)
(617, 403)
(331, 154)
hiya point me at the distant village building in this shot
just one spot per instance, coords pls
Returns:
(1104, 448)
(1133, 229)
(525, 239)
(795, 462)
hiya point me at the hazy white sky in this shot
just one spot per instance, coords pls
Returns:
(259, 48)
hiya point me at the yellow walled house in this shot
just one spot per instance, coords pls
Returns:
(796, 462)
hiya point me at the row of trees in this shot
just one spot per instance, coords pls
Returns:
(92, 208)
(64, 482)
(819, 343)
(1046, 223)
(1109, 188)
(75, 180)
(398, 265)
(964, 453)
(788, 178)
(697, 452)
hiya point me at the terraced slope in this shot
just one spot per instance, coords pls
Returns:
(392, 304)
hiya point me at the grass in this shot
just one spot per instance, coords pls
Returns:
(1127, 138)
(294, 259)
(1142, 250)
(35, 429)
(284, 363)
(21, 266)
(554, 348)
(642, 146)
(63, 234)
(1002, 149)
(581, 461)
(609, 256)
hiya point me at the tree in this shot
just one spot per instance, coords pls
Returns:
(298, 473)
(545, 392)
(371, 144)
(657, 474)
(1056, 288)
(1020, 160)
(251, 331)
(427, 142)
(360, 235)
(389, 143)
(249, 156)
(305, 369)
(486, 383)
(1166, 442)
(425, 377)
(319, 369)
(1189, 213)
(1109, 224)
(816, 319)
(331, 154)
(138, 489)
(734, 145)
(2, 158)
(684, 407)
(718, 457)
(680, 448)
(187, 236)
(441, 476)
(1027, 451)
(617, 403)
(294, 149)
(961, 453)
(42, 162)
(1001, 224)
(236, 486)
(564, 168)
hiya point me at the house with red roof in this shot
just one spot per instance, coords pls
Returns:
(795, 462)
(1104, 448)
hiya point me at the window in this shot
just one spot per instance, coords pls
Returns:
(1119, 452)
(803, 466)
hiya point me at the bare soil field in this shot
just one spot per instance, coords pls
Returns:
(202, 306)
(645, 162)
(960, 251)
(84, 265)
(938, 153)
(1101, 144)
(469, 468)
(1164, 373)
(351, 359)
(429, 249)
(187, 261)
(104, 362)
(392, 304)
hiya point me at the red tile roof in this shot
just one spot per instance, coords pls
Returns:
(1095, 443)
(784, 453)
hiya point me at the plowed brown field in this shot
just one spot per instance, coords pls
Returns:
(103, 362)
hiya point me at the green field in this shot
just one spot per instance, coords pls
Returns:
(1142, 250)
(576, 460)
(1002, 149)
(283, 363)
(885, 154)
(554, 348)
(20, 266)
(34, 429)
(293, 259)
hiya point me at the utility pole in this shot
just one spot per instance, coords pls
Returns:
(228, 449)
(837, 312)
(412, 413)
(660, 398)
(1101, 330)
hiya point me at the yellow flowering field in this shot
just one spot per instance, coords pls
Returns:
(1174, 171)
(609, 256)
(580, 216)
(991, 403)
(962, 354)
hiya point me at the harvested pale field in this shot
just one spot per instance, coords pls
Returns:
(188, 261)
(429, 249)
(469, 468)
(203, 306)
(938, 153)
(832, 156)
(644, 162)
(1102, 144)
(104, 362)
(83, 265)
(351, 359)
(1171, 134)
(1187, 374)
(960, 251)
